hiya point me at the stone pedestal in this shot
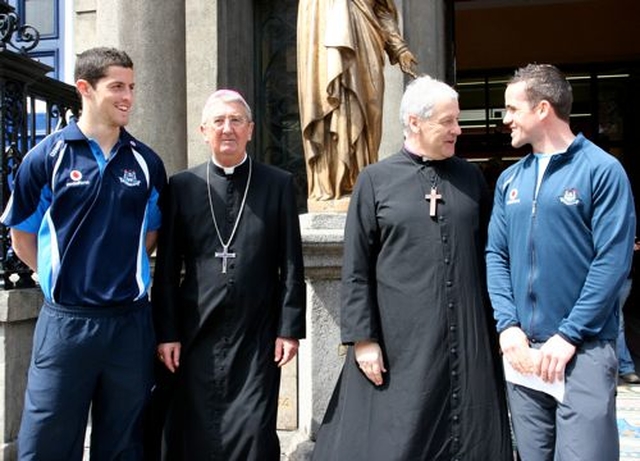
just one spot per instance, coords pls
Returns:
(288, 397)
(18, 313)
(320, 358)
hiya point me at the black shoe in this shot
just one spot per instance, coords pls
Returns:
(630, 378)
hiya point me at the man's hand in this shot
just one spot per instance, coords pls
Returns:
(286, 349)
(556, 353)
(369, 357)
(169, 354)
(515, 347)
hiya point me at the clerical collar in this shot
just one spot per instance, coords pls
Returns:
(419, 158)
(229, 170)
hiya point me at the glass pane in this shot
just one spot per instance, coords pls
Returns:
(278, 141)
(41, 14)
(612, 93)
(582, 120)
(50, 59)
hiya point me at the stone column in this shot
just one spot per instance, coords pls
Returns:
(202, 70)
(394, 83)
(18, 312)
(428, 34)
(219, 54)
(153, 34)
(423, 26)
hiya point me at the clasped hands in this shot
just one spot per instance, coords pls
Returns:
(548, 362)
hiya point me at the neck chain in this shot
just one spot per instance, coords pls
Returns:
(224, 254)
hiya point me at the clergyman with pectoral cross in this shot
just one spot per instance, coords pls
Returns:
(412, 306)
(235, 316)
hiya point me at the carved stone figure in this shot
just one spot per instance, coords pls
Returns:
(341, 58)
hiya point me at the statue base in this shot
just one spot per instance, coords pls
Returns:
(340, 205)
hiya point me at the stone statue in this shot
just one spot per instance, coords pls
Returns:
(341, 48)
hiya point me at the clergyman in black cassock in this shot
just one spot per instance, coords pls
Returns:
(422, 379)
(233, 318)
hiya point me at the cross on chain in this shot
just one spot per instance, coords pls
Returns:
(224, 255)
(433, 198)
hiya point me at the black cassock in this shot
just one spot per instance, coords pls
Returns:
(225, 394)
(415, 283)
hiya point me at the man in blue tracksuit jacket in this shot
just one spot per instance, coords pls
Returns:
(559, 249)
(84, 214)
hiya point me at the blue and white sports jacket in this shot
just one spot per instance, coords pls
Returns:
(91, 216)
(556, 264)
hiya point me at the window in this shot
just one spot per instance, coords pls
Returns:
(600, 102)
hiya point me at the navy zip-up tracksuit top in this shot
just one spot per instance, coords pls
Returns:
(556, 263)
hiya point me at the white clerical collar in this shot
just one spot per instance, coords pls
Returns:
(421, 157)
(229, 169)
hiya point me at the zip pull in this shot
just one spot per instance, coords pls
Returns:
(534, 207)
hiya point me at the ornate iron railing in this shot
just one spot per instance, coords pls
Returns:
(32, 106)
(21, 37)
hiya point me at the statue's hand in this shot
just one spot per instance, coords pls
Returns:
(408, 63)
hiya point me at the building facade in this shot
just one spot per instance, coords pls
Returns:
(183, 51)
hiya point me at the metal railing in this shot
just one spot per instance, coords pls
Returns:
(32, 105)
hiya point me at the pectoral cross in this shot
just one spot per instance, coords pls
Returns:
(224, 255)
(433, 198)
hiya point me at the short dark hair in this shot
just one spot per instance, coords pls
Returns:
(92, 64)
(546, 82)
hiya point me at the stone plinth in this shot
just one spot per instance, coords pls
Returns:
(320, 358)
(18, 313)
(328, 207)
(288, 397)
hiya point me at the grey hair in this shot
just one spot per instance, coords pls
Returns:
(228, 96)
(421, 96)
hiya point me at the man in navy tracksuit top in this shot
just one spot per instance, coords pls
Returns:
(559, 249)
(84, 215)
